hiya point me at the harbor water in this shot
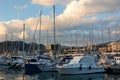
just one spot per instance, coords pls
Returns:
(12, 74)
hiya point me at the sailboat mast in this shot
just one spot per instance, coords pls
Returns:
(54, 52)
(6, 48)
(109, 34)
(47, 37)
(102, 35)
(12, 46)
(23, 36)
(40, 31)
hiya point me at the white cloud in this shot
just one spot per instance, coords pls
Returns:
(79, 13)
(21, 7)
(20, 35)
(50, 2)
(15, 24)
(3, 29)
(32, 23)
(77, 10)
(44, 2)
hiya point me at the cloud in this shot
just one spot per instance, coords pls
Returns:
(32, 23)
(62, 32)
(78, 10)
(78, 14)
(3, 29)
(20, 35)
(16, 26)
(43, 2)
(63, 2)
(21, 7)
(15, 23)
(50, 2)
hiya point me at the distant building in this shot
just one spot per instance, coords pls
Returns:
(111, 47)
(114, 47)
(51, 47)
(103, 48)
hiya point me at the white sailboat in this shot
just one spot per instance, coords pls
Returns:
(32, 62)
(18, 61)
(80, 65)
(51, 65)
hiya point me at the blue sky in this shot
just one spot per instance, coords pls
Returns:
(71, 15)
(23, 9)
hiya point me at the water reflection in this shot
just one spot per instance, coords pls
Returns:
(9, 74)
(48, 76)
(57, 76)
(83, 77)
(113, 77)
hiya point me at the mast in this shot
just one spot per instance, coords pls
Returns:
(47, 37)
(102, 35)
(77, 39)
(12, 46)
(6, 48)
(23, 36)
(116, 34)
(40, 31)
(90, 36)
(89, 50)
(23, 48)
(109, 34)
(54, 51)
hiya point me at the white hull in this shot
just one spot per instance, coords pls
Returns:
(46, 68)
(77, 70)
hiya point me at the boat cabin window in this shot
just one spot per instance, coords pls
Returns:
(33, 60)
(15, 58)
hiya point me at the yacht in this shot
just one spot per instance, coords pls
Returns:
(80, 65)
(17, 62)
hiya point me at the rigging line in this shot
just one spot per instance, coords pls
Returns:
(34, 33)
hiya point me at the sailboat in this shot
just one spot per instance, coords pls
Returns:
(33, 61)
(18, 61)
(51, 65)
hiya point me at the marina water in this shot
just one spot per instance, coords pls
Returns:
(12, 74)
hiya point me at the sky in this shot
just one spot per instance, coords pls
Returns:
(77, 22)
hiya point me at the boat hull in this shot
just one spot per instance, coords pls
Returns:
(80, 71)
(31, 67)
(46, 68)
